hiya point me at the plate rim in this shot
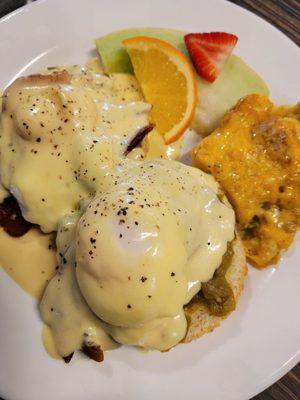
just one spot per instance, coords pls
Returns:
(295, 359)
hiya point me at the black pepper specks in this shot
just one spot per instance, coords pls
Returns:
(64, 260)
(122, 211)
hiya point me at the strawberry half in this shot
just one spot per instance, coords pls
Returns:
(209, 52)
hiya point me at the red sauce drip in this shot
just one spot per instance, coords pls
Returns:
(11, 218)
(139, 136)
(94, 352)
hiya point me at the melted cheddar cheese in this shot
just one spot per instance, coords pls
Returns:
(255, 156)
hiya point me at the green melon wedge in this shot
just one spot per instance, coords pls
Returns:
(236, 80)
(114, 56)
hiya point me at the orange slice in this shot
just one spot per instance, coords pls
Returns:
(168, 83)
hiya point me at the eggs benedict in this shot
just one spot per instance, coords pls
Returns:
(138, 239)
(140, 251)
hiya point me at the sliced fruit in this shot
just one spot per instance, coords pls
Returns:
(114, 56)
(209, 52)
(236, 79)
(168, 83)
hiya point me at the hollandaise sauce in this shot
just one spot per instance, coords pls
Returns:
(137, 233)
(138, 252)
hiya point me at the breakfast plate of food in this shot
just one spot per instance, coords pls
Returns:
(149, 201)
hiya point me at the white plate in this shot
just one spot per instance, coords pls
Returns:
(260, 341)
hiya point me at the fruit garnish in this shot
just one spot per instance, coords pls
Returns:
(236, 80)
(168, 83)
(209, 52)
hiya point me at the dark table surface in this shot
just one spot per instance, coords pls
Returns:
(285, 14)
